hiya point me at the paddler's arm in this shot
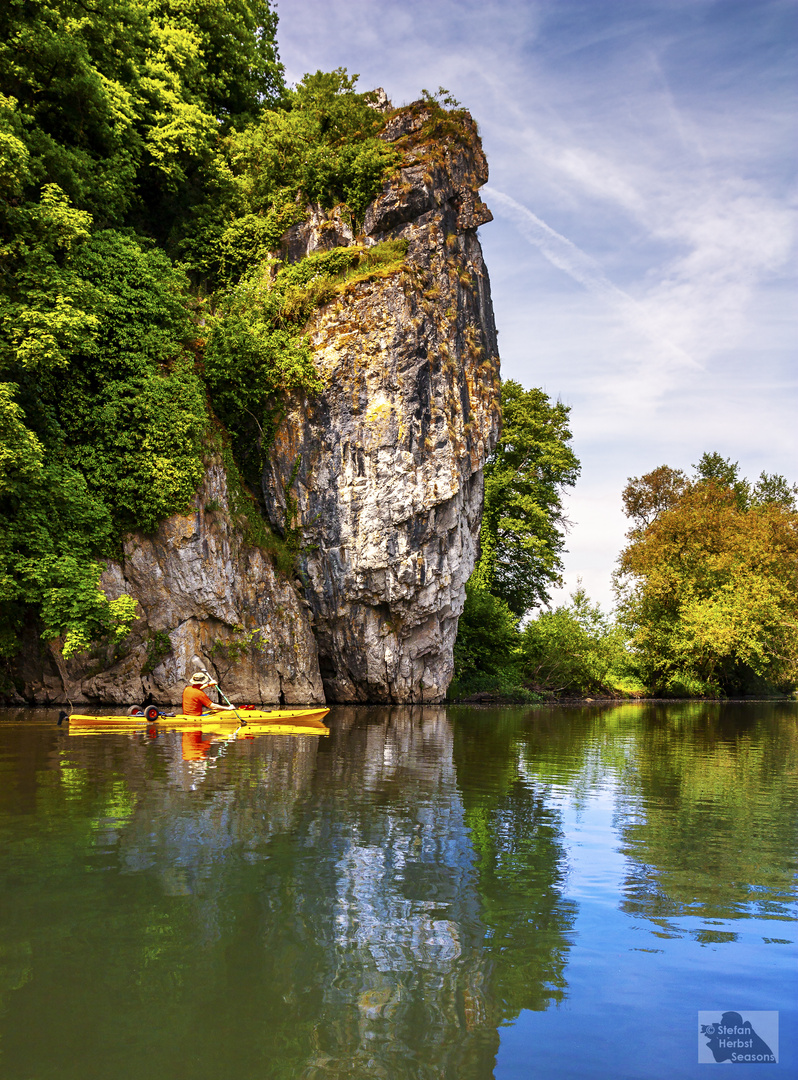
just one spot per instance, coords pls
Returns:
(221, 708)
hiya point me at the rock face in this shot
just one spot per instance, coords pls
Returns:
(208, 600)
(384, 471)
(382, 474)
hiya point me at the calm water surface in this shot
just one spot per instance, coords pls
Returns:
(426, 893)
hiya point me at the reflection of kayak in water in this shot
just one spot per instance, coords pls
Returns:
(247, 722)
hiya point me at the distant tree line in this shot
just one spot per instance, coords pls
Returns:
(706, 588)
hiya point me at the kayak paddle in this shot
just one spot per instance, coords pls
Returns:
(229, 702)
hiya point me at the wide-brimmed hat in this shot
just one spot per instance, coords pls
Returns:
(202, 679)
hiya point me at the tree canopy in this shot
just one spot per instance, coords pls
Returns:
(523, 524)
(708, 584)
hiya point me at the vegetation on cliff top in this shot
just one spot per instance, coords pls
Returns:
(256, 350)
(151, 156)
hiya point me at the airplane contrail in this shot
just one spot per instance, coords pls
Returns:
(566, 256)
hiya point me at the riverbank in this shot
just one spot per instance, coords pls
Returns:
(493, 700)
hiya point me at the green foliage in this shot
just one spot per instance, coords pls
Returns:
(249, 365)
(159, 646)
(523, 521)
(256, 351)
(708, 589)
(773, 490)
(123, 100)
(574, 649)
(21, 452)
(103, 419)
(323, 144)
(245, 511)
(227, 652)
(521, 540)
(51, 526)
(485, 650)
(110, 114)
(320, 147)
(441, 97)
(133, 412)
(42, 312)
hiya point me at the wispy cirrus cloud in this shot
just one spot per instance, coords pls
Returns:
(566, 256)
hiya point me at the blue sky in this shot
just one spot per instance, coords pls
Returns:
(643, 184)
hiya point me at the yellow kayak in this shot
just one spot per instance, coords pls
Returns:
(244, 722)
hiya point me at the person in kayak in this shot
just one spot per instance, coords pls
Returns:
(195, 699)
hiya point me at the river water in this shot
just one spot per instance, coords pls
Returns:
(427, 892)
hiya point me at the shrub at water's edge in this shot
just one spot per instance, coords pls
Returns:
(574, 650)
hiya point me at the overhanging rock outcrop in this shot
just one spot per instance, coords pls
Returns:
(383, 472)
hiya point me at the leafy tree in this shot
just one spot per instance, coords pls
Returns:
(484, 653)
(103, 430)
(773, 490)
(133, 413)
(122, 101)
(708, 589)
(521, 539)
(574, 649)
(523, 522)
(644, 498)
(321, 146)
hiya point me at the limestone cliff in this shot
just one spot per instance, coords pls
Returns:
(387, 464)
(381, 474)
(206, 599)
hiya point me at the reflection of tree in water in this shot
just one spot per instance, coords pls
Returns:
(707, 815)
(521, 877)
(517, 836)
(705, 798)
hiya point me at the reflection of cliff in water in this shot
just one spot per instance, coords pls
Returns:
(371, 904)
(516, 832)
(409, 989)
